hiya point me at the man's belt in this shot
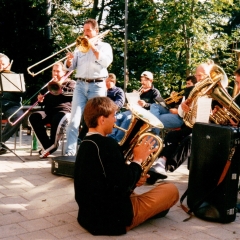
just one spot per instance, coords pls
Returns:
(88, 80)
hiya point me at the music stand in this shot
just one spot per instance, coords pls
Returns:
(9, 82)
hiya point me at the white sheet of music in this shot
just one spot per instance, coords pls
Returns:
(203, 109)
(133, 97)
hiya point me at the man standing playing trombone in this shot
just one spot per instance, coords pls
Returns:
(91, 72)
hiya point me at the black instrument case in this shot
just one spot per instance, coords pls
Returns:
(63, 165)
(211, 149)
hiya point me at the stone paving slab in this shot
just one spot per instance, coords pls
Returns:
(35, 204)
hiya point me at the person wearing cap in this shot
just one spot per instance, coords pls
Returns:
(115, 93)
(11, 102)
(147, 95)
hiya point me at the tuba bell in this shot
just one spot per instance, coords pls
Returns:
(216, 77)
(229, 113)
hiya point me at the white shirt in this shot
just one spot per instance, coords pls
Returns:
(86, 64)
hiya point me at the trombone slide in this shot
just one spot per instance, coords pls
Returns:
(35, 74)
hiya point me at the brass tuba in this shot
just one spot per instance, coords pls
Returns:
(216, 77)
(230, 112)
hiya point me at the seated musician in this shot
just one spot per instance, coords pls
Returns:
(11, 102)
(167, 159)
(147, 95)
(169, 117)
(113, 92)
(57, 109)
(104, 184)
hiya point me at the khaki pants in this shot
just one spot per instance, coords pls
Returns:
(150, 203)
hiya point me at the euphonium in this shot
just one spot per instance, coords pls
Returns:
(151, 159)
(141, 122)
(84, 44)
(216, 76)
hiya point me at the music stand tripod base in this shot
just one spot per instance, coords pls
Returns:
(2, 145)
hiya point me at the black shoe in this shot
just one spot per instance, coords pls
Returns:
(238, 207)
(3, 151)
(154, 176)
(160, 215)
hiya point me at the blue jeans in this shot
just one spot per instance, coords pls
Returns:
(122, 120)
(168, 119)
(82, 93)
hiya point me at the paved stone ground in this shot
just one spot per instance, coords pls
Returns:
(35, 204)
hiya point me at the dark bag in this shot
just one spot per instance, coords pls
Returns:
(213, 173)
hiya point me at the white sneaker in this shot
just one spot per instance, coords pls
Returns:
(157, 171)
(161, 161)
(68, 154)
(159, 168)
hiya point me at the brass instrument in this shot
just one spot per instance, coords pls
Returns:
(54, 87)
(174, 97)
(216, 76)
(141, 122)
(63, 49)
(82, 43)
(54, 92)
(140, 90)
(230, 113)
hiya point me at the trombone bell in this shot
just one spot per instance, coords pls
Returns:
(84, 44)
(55, 88)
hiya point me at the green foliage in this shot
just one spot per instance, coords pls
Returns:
(23, 37)
(169, 38)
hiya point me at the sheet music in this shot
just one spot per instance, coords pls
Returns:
(203, 109)
(133, 97)
(12, 82)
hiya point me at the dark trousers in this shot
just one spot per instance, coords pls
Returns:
(172, 140)
(9, 130)
(38, 121)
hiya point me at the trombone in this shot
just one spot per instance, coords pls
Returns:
(82, 43)
(36, 103)
(35, 74)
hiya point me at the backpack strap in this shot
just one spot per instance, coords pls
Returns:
(98, 156)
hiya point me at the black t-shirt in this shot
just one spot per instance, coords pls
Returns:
(103, 184)
(59, 103)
